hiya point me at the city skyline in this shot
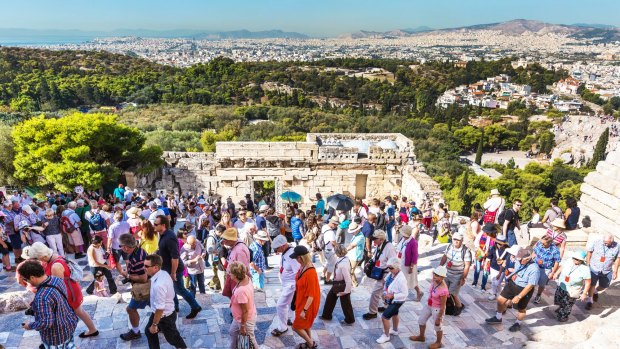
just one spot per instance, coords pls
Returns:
(314, 18)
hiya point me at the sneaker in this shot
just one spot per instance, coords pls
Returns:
(192, 314)
(383, 339)
(595, 297)
(79, 256)
(492, 297)
(537, 300)
(369, 316)
(515, 327)
(394, 332)
(589, 305)
(493, 320)
(131, 335)
(344, 323)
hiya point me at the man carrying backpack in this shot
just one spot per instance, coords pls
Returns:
(509, 220)
(96, 223)
(457, 260)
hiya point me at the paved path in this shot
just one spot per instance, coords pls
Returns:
(210, 328)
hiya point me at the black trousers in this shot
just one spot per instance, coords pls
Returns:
(267, 252)
(108, 275)
(345, 303)
(168, 327)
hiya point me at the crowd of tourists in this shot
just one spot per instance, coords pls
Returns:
(132, 234)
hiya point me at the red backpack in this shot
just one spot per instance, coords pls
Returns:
(66, 226)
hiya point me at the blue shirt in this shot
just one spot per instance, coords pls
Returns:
(600, 251)
(165, 209)
(527, 275)
(120, 193)
(320, 207)
(546, 257)
(357, 254)
(261, 223)
(367, 230)
(258, 257)
(296, 227)
(54, 318)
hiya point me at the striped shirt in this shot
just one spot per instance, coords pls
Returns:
(135, 264)
(558, 237)
(54, 318)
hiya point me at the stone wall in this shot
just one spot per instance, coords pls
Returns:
(600, 198)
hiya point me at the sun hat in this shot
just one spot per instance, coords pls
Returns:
(278, 242)
(524, 253)
(133, 212)
(457, 236)
(230, 234)
(405, 230)
(27, 209)
(558, 223)
(440, 270)
(500, 238)
(514, 250)
(263, 208)
(494, 192)
(261, 235)
(299, 251)
(489, 228)
(334, 220)
(579, 255)
(354, 227)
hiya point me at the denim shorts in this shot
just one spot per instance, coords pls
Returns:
(603, 280)
(134, 304)
(392, 310)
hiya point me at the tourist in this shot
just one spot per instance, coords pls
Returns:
(395, 292)
(97, 222)
(407, 252)
(191, 255)
(134, 220)
(552, 213)
(205, 223)
(499, 261)
(457, 258)
(72, 229)
(557, 235)
(135, 274)
(242, 306)
(116, 229)
(257, 266)
(355, 250)
(82, 208)
(288, 270)
(368, 229)
(575, 279)
(320, 205)
(97, 264)
(11, 210)
(493, 207)
(169, 251)
(511, 222)
(119, 192)
(603, 261)
(547, 257)
(53, 237)
(571, 215)
(473, 230)
(341, 288)
(329, 239)
(241, 223)
(215, 249)
(237, 252)
(261, 224)
(57, 266)
(483, 243)
(436, 308)
(390, 213)
(297, 227)
(4, 244)
(343, 226)
(149, 239)
(383, 252)
(53, 316)
(307, 295)
(519, 289)
(162, 295)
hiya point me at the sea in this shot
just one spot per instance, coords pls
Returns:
(46, 40)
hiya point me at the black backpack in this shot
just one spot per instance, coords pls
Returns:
(502, 217)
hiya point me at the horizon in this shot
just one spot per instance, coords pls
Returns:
(318, 18)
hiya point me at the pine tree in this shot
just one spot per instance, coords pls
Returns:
(478, 160)
(600, 151)
(463, 195)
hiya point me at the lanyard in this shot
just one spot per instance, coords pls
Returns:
(403, 246)
(497, 253)
(572, 270)
(434, 289)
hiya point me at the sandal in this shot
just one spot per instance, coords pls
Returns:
(302, 346)
(277, 333)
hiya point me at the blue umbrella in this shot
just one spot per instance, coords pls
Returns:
(290, 196)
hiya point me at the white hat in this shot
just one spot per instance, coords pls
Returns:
(457, 236)
(514, 250)
(261, 235)
(278, 242)
(263, 208)
(495, 192)
(354, 227)
(558, 223)
(133, 212)
(158, 202)
(406, 230)
(440, 270)
(27, 209)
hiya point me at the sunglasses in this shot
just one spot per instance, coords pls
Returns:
(391, 268)
(156, 224)
(148, 266)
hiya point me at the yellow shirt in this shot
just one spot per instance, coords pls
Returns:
(150, 246)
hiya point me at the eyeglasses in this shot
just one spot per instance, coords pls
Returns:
(156, 224)
(391, 268)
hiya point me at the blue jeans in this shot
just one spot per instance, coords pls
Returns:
(511, 238)
(197, 281)
(477, 270)
(258, 279)
(388, 230)
(180, 290)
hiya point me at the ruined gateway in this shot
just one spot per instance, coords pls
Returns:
(359, 165)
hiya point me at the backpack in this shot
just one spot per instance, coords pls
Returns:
(66, 226)
(320, 241)
(273, 228)
(489, 216)
(76, 272)
(501, 219)
(96, 222)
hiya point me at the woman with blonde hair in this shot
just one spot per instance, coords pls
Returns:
(307, 296)
(225, 220)
(242, 306)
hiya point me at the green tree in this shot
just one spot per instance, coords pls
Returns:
(480, 146)
(79, 149)
(209, 138)
(6, 156)
(600, 151)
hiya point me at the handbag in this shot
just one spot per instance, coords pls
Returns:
(338, 286)
(244, 342)
(141, 292)
(370, 268)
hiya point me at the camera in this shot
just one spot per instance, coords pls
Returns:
(29, 312)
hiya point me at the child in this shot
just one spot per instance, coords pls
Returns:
(436, 308)
(100, 289)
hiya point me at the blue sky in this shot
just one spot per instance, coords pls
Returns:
(314, 17)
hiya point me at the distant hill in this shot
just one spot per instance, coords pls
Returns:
(246, 34)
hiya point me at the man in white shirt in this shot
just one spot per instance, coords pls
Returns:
(288, 270)
(494, 206)
(163, 319)
(155, 212)
(329, 238)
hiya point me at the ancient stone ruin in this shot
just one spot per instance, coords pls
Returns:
(358, 165)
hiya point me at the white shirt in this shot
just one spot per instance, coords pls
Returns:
(388, 252)
(289, 268)
(329, 235)
(146, 213)
(162, 293)
(98, 256)
(494, 204)
(399, 288)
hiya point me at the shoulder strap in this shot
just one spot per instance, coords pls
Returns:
(379, 250)
(47, 284)
(521, 268)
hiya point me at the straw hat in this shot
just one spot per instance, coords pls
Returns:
(133, 212)
(230, 234)
(354, 227)
(495, 192)
(558, 223)
(405, 230)
(261, 235)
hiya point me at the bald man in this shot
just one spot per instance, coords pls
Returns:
(603, 261)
